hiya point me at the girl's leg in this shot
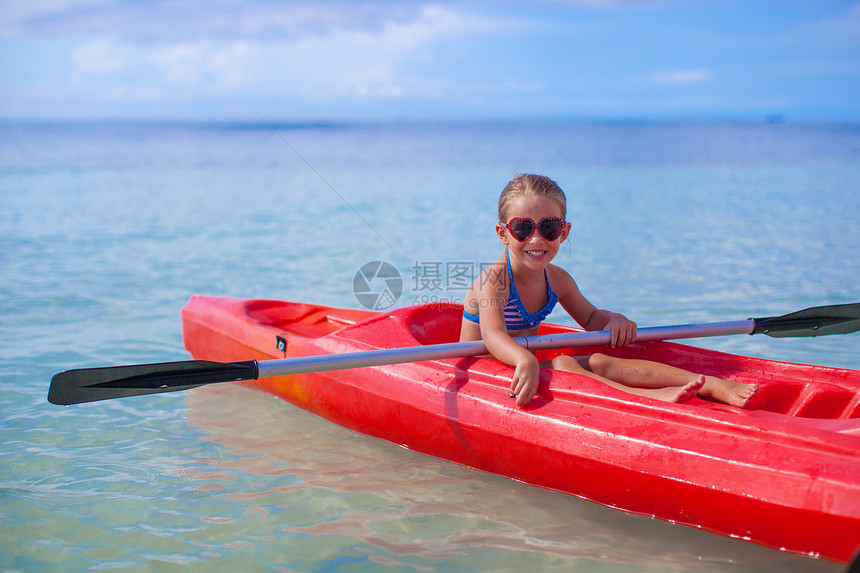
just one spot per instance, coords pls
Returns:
(647, 374)
(675, 393)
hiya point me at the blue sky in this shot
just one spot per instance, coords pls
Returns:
(356, 60)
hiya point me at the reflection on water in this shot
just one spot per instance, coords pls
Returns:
(324, 490)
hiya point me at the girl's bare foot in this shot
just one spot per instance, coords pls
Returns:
(732, 393)
(677, 394)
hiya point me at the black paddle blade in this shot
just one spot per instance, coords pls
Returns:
(92, 384)
(817, 321)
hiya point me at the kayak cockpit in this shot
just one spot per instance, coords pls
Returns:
(301, 319)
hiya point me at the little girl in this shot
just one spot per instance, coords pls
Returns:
(513, 296)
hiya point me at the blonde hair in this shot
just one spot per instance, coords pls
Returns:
(528, 185)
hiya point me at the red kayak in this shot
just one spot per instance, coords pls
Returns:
(784, 473)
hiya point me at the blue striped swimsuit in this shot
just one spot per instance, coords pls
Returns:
(516, 315)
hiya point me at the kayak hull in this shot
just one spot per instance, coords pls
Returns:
(784, 474)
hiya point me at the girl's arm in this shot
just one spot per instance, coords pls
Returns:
(586, 314)
(492, 297)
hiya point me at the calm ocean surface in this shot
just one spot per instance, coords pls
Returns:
(106, 229)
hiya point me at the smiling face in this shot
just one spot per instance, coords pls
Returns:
(535, 252)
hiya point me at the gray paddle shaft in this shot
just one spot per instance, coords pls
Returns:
(300, 365)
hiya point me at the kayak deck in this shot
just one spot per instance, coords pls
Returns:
(784, 472)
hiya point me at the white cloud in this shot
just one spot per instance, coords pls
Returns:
(183, 63)
(99, 56)
(368, 62)
(374, 62)
(228, 64)
(682, 77)
(195, 20)
(301, 50)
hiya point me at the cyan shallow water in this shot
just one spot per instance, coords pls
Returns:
(107, 229)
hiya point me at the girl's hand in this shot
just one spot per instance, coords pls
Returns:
(526, 377)
(623, 330)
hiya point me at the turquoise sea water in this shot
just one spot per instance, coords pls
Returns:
(106, 229)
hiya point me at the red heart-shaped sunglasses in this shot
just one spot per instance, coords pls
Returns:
(522, 228)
